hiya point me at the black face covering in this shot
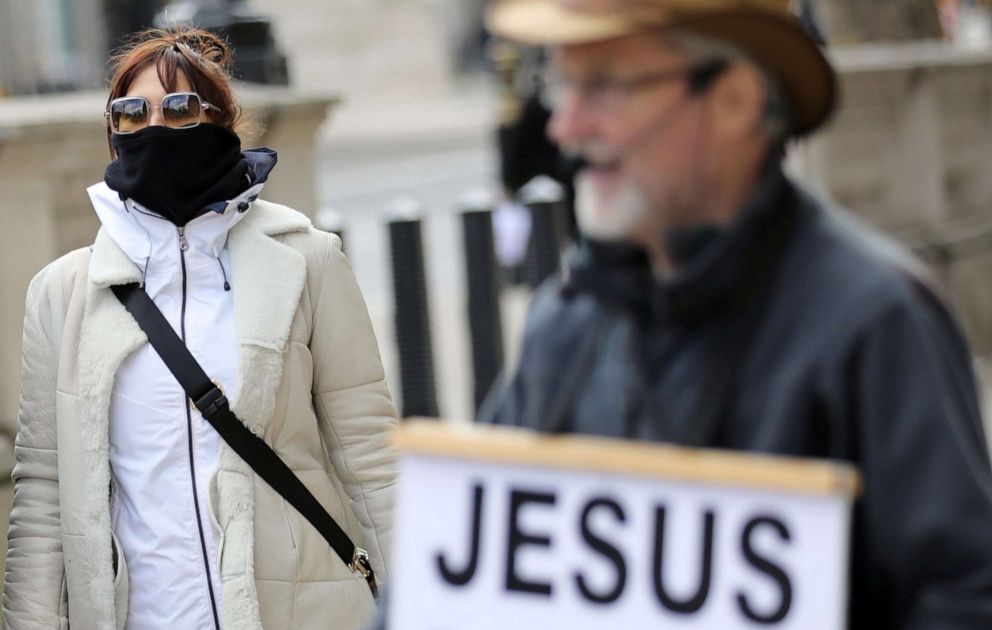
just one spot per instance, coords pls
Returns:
(178, 172)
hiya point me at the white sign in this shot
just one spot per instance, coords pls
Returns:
(498, 529)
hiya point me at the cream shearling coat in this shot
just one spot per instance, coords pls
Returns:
(313, 386)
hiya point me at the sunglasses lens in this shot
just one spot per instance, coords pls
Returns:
(129, 115)
(181, 110)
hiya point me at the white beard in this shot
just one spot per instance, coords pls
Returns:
(609, 217)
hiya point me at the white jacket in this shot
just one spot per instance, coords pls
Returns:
(162, 452)
(92, 391)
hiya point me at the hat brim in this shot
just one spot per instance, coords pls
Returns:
(775, 41)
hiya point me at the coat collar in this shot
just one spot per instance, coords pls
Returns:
(110, 265)
(151, 241)
(268, 281)
(269, 275)
(273, 219)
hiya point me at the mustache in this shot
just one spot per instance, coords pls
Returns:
(592, 153)
(577, 158)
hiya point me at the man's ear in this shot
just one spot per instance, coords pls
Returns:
(736, 101)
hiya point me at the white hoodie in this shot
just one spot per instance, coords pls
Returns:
(163, 454)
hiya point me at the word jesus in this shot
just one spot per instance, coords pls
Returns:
(517, 538)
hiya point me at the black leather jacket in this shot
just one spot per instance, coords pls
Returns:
(794, 331)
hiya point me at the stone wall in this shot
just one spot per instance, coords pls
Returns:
(909, 152)
(51, 44)
(377, 48)
(860, 21)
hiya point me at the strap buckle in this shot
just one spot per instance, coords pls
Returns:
(212, 401)
(360, 564)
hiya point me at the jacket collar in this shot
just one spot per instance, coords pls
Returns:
(152, 242)
(714, 265)
(123, 242)
(261, 161)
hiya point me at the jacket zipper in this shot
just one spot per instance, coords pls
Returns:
(183, 246)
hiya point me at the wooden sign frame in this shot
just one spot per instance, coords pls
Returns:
(579, 452)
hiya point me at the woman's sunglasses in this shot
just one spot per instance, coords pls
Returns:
(180, 110)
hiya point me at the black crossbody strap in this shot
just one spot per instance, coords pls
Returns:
(208, 398)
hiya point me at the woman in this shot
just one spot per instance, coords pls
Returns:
(130, 510)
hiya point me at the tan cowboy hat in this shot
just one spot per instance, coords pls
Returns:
(766, 30)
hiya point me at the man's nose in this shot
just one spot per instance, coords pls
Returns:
(570, 119)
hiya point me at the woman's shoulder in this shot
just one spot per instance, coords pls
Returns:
(321, 250)
(295, 229)
(63, 273)
(54, 288)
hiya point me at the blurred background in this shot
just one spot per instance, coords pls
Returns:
(389, 116)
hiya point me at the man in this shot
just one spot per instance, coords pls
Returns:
(717, 304)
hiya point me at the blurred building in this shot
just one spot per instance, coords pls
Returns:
(907, 151)
(51, 45)
(416, 122)
(857, 21)
(382, 48)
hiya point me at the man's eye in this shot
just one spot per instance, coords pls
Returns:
(600, 85)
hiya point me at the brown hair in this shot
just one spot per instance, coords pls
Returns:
(202, 57)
